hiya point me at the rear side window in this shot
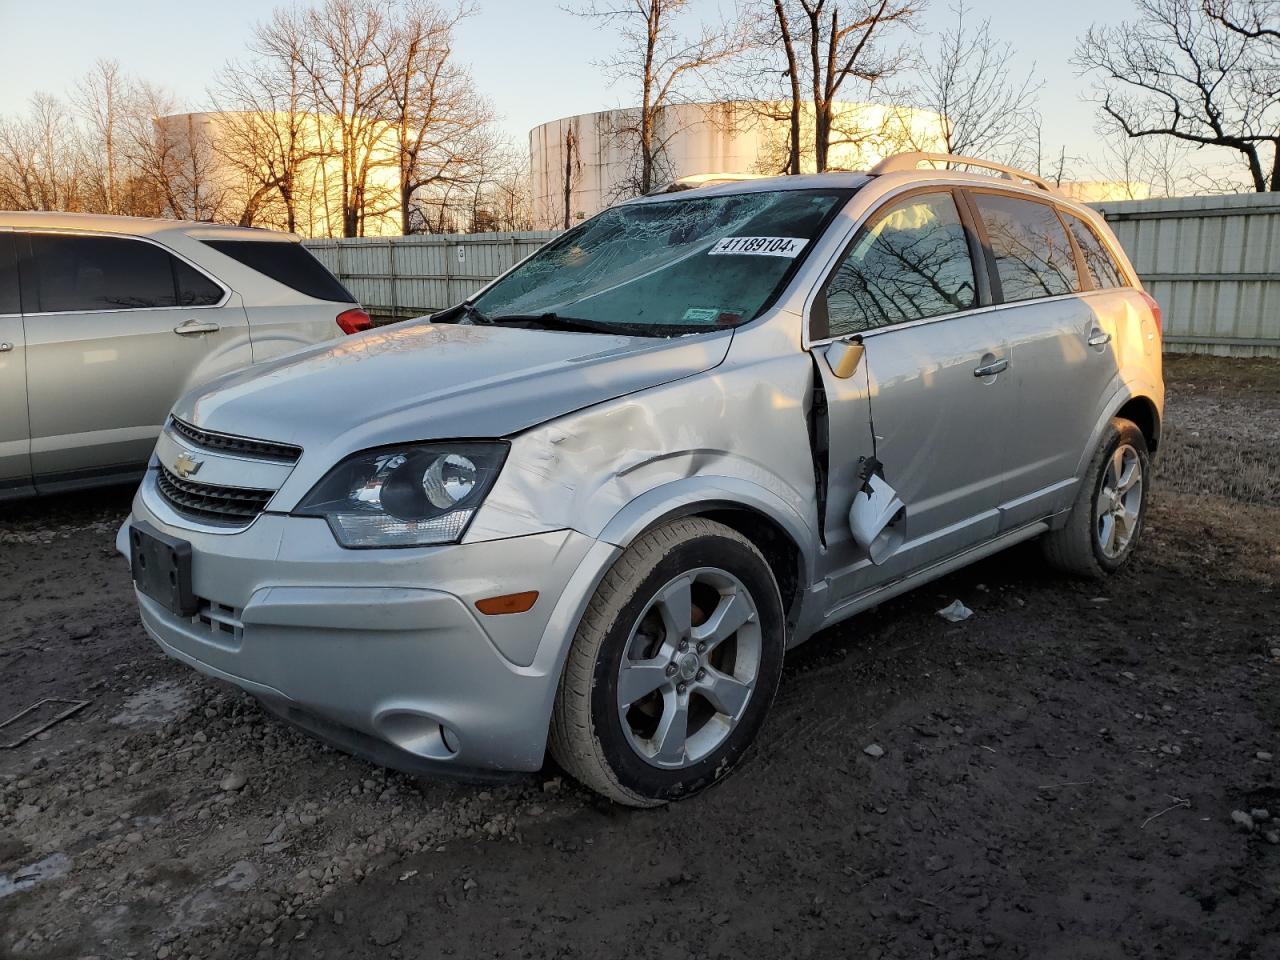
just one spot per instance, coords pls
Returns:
(1101, 266)
(1032, 253)
(67, 273)
(910, 263)
(9, 302)
(194, 288)
(287, 263)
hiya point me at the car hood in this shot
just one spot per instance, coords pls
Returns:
(419, 380)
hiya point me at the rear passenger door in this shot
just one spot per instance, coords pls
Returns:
(117, 329)
(1060, 359)
(934, 375)
(15, 431)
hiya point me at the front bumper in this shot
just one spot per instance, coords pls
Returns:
(382, 651)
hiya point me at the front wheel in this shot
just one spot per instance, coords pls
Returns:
(673, 668)
(1111, 504)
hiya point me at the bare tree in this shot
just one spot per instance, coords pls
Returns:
(268, 130)
(39, 168)
(440, 123)
(1253, 19)
(662, 61)
(1191, 71)
(829, 43)
(986, 111)
(1139, 168)
(35, 166)
(336, 48)
(102, 98)
(793, 81)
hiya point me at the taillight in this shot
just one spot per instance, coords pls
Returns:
(1156, 315)
(353, 321)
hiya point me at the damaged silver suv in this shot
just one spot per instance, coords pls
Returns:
(590, 508)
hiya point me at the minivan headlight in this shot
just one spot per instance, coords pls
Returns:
(410, 496)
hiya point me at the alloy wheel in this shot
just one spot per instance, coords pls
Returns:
(690, 667)
(1119, 501)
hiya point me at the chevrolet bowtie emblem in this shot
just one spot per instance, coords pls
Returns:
(186, 465)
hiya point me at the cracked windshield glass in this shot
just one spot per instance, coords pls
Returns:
(669, 266)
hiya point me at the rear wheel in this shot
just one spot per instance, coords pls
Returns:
(673, 668)
(1106, 520)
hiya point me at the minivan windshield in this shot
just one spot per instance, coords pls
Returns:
(663, 268)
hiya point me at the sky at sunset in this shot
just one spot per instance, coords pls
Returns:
(531, 58)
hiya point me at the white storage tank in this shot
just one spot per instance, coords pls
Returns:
(580, 165)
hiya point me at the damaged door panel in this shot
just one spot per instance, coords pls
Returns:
(842, 428)
(926, 468)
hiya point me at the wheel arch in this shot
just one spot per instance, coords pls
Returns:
(1139, 407)
(769, 526)
(1142, 412)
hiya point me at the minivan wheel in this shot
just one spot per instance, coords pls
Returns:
(673, 667)
(1106, 519)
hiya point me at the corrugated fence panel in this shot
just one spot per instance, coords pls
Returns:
(1213, 263)
(411, 276)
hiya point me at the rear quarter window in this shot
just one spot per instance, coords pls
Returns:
(1098, 261)
(288, 263)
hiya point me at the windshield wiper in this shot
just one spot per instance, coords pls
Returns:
(463, 313)
(553, 321)
(466, 313)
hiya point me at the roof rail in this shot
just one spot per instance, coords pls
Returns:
(911, 161)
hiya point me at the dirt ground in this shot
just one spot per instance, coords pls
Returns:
(1059, 774)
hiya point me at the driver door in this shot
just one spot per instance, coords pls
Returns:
(931, 387)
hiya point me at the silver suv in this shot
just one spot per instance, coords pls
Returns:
(106, 321)
(591, 507)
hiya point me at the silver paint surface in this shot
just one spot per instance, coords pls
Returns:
(609, 434)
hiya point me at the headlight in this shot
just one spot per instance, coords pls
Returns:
(409, 496)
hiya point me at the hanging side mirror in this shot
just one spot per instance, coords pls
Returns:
(844, 356)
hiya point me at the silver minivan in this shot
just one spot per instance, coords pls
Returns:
(590, 508)
(106, 321)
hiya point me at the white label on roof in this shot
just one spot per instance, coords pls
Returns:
(788, 247)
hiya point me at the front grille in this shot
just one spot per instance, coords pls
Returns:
(224, 506)
(239, 446)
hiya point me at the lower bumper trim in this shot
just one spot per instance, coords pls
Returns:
(380, 752)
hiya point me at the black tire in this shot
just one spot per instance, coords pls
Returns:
(587, 736)
(1077, 547)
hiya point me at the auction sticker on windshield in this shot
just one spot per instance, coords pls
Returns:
(788, 247)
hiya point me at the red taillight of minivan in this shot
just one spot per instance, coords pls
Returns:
(353, 321)
(1156, 316)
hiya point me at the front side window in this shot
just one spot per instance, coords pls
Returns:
(680, 264)
(1032, 253)
(910, 263)
(1102, 267)
(71, 272)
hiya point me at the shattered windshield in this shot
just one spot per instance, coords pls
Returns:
(669, 267)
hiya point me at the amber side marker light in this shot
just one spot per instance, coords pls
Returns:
(510, 603)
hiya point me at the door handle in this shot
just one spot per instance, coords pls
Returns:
(991, 369)
(196, 326)
(5, 347)
(1099, 338)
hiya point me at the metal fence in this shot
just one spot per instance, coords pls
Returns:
(410, 276)
(1213, 263)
